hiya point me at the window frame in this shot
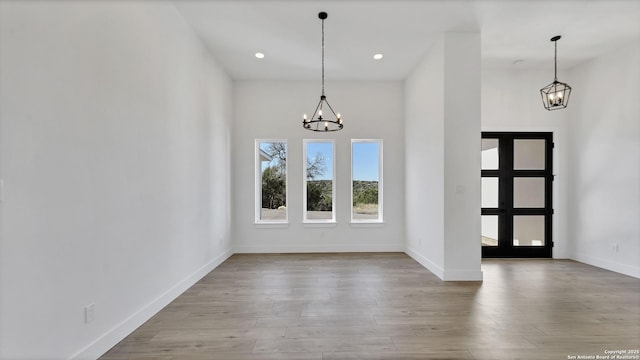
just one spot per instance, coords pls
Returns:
(304, 182)
(258, 183)
(380, 218)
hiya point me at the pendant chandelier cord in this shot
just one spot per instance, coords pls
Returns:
(322, 57)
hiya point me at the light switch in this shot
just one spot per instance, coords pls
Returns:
(89, 313)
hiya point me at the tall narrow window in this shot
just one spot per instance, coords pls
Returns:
(271, 181)
(366, 180)
(319, 184)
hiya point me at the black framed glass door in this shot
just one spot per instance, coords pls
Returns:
(517, 179)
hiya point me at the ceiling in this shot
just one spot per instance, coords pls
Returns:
(514, 34)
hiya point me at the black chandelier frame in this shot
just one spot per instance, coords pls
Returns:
(320, 122)
(555, 96)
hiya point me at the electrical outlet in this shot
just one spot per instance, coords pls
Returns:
(615, 247)
(89, 313)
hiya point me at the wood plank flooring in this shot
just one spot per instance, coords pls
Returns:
(386, 306)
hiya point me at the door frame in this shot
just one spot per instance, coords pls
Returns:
(505, 210)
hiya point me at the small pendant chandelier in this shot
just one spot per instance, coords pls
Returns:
(330, 121)
(555, 95)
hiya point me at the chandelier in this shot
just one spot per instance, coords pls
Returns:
(555, 95)
(330, 120)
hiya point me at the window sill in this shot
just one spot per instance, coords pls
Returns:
(271, 225)
(367, 224)
(331, 224)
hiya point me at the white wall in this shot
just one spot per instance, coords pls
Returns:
(273, 109)
(462, 253)
(442, 188)
(115, 156)
(604, 147)
(424, 160)
(511, 102)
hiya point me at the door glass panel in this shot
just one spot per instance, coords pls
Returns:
(529, 154)
(528, 230)
(489, 229)
(489, 194)
(528, 192)
(490, 157)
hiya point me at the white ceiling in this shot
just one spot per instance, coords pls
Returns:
(288, 33)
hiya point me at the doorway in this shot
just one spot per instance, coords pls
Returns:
(517, 179)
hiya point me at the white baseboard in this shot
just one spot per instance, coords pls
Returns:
(105, 342)
(428, 264)
(445, 275)
(462, 275)
(625, 269)
(283, 249)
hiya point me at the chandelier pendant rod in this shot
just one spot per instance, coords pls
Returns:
(322, 57)
(555, 61)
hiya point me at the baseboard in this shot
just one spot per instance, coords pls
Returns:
(625, 269)
(428, 264)
(284, 249)
(105, 342)
(462, 275)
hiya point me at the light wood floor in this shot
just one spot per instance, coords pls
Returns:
(387, 306)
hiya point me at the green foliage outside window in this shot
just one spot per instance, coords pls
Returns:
(365, 192)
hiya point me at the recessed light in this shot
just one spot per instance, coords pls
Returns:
(260, 55)
(377, 56)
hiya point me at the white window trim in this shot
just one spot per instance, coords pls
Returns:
(380, 218)
(304, 182)
(258, 185)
